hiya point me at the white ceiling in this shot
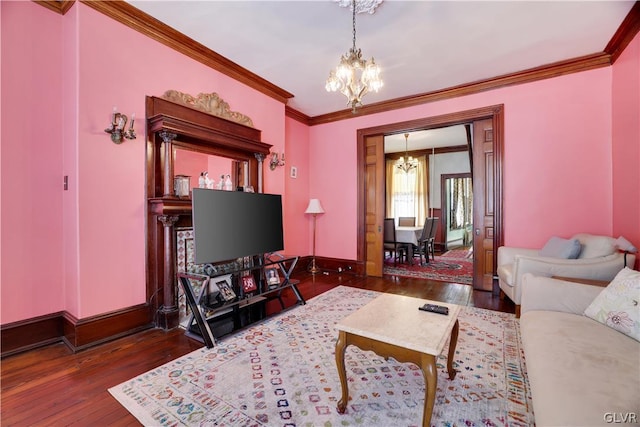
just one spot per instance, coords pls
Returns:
(421, 46)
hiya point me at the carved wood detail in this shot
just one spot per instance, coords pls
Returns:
(172, 125)
(209, 103)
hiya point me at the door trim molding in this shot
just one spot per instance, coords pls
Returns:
(494, 112)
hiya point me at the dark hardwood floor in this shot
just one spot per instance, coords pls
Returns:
(52, 386)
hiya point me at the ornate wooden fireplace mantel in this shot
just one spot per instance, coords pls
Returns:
(172, 126)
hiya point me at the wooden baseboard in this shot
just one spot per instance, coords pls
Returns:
(78, 334)
(332, 265)
(31, 333)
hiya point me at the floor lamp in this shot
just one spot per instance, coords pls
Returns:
(314, 209)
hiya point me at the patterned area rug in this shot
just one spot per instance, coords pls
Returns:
(443, 269)
(281, 372)
(461, 252)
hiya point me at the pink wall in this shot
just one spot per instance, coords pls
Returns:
(70, 213)
(100, 63)
(557, 166)
(296, 223)
(626, 144)
(31, 181)
(87, 243)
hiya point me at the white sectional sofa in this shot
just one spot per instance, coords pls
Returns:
(581, 372)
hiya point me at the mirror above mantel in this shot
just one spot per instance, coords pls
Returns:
(181, 125)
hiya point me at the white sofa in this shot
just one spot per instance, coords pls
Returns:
(599, 259)
(581, 372)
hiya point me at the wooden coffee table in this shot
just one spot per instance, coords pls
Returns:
(392, 326)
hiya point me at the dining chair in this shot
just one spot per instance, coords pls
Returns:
(431, 242)
(407, 221)
(396, 249)
(426, 242)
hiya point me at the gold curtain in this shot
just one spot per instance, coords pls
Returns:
(407, 193)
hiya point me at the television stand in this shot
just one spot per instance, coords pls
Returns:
(222, 295)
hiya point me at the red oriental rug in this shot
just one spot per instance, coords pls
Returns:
(443, 269)
(461, 252)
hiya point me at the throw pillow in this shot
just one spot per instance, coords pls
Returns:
(595, 246)
(557, 247)
(617, 305)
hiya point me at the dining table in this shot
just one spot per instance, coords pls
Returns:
(410, 236)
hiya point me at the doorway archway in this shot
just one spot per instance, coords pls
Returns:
(489, 149)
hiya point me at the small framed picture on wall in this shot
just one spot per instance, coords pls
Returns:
(294, 172)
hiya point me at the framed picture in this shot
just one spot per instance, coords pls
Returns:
(226, 288)
(248, 284)
(273, 279)
(213, 297)
(294, 172)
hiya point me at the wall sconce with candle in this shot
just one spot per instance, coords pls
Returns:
(118, 125)
(275, 161)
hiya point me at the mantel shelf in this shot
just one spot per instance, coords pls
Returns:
(169, 206)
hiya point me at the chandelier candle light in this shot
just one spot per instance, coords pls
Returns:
(407, 162)
(314, 209)
(354, 76)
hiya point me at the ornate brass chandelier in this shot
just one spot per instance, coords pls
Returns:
(406, 163)
(354, 77)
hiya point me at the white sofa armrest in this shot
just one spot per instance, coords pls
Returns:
(544, 293)
(507, 254)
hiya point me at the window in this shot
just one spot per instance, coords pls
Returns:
(407, 193)
(460, 203)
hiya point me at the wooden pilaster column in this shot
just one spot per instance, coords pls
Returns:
(260, 158)
(168, 316)
(167, 176)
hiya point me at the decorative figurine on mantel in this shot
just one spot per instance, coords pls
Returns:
(228, 185)
(221, 183)
(204, 181)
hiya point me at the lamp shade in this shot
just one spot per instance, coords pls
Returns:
(314, 207)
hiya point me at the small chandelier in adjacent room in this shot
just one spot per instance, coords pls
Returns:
(354, 77)
(406, 163)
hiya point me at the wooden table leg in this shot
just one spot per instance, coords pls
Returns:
(452, 349)
(430, 373)
(341, 345)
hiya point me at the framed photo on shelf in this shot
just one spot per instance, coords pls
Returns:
(226, 288)
(212, 294)
(273, 279)
(249, 284)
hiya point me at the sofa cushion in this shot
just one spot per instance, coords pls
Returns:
(617, 305)
(557, 247)
(579, 370)
(595, 246)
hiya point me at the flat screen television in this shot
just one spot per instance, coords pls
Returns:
(234, 224)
